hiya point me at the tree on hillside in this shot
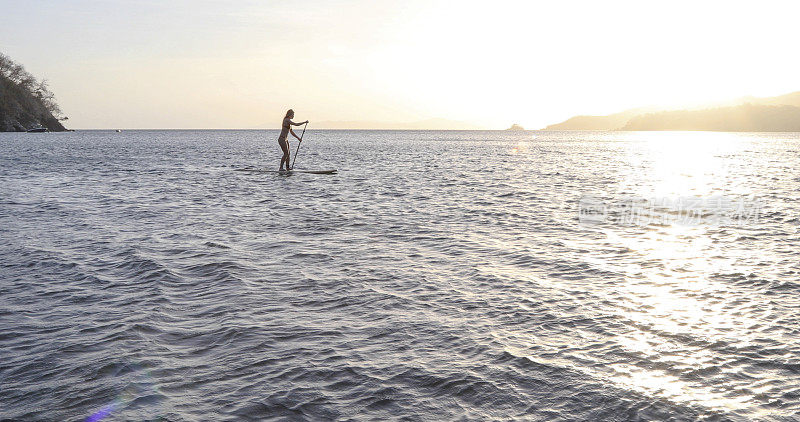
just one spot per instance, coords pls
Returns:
(17, 74)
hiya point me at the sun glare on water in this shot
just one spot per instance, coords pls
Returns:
(667, 292)
(670, 164)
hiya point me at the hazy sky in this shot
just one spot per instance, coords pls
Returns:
(238, 64)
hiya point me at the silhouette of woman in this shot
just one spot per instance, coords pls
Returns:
(286, 128)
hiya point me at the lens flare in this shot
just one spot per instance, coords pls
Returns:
(137, 383)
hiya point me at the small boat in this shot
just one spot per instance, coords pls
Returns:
(37, 129)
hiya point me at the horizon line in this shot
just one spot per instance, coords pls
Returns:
(310, 129)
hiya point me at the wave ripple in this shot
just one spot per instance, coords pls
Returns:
(439, 275)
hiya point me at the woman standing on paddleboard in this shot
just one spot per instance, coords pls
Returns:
(286, 128)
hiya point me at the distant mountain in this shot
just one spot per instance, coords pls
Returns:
(429, 124)
(747, 114)
(516, 127)
(792, 99)
(743, 118)
(25, 103)
(610, 122)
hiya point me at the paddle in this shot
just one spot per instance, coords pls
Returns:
(298, 145)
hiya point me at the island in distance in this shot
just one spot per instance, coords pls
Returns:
(516, 127)
(749, 114)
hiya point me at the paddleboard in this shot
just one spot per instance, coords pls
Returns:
(259, 170)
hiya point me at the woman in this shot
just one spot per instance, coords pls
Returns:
(286, 128)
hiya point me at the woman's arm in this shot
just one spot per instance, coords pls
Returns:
(294, 134)
(298, 124)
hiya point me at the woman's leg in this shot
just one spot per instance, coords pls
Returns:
(285, 149)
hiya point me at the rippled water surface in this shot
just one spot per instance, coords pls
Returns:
(438, 275)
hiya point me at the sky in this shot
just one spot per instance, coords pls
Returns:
(242, 63)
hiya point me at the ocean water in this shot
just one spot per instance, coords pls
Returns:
(546, 276)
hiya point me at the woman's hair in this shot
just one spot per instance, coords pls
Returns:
(289, 112)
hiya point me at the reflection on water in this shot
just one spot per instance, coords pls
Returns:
(683, 316)
(670, 164)
(439, 275)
